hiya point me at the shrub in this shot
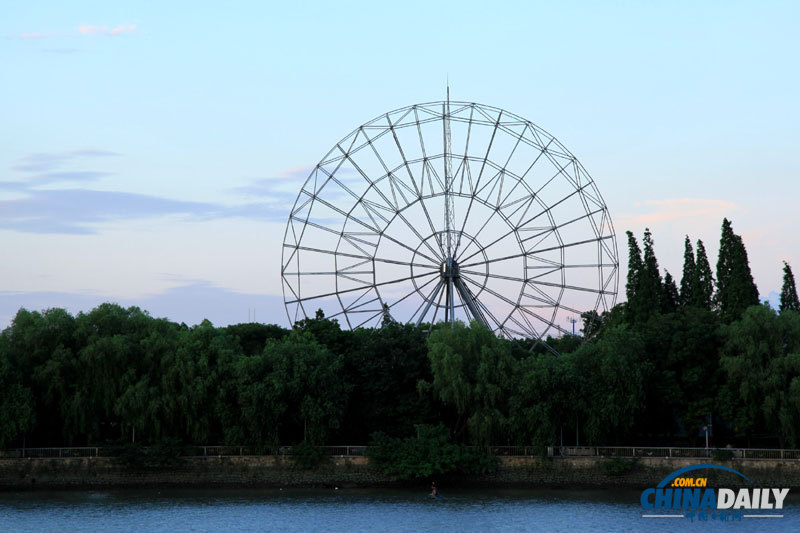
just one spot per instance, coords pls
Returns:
(429, 453)
(617, 466)
(307, 456)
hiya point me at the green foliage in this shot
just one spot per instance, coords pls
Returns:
(472, 374)
(617, 466)
(721, 454)
(164, 453)
(383, 369)
(645, 290)
(789, 301)
(609, 376)
(306, 456)
(252, 337)
(703, 289)
(736, 290)
(17, 415)
(430, 453)
(670, 298)
(648, 371)
(544, 399)
(761, 359)
(689, 278)
(650, 283)
(592, 322)
(635, 305)
(292, 391)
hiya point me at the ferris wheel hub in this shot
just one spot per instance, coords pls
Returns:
(449, 269)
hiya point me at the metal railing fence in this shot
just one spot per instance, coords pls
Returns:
(673, 452)
(630, 452)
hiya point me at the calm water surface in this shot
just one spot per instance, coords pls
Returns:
(352, 510)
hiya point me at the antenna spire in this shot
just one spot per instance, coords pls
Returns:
(449, 211)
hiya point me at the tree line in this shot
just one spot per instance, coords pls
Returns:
(676, 357)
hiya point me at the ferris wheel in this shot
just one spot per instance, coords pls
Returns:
(448, 211)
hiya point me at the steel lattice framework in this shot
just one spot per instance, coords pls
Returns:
(450, 211)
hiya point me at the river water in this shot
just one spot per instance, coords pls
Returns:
(354, 510)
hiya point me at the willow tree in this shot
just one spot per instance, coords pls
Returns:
(472, 373)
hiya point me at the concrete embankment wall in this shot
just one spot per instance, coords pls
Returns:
(256, 471)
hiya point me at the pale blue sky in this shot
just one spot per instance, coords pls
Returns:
(148, 150)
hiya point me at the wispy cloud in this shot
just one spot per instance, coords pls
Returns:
(43, 161)
(89, 29)
(674, 209)
(62, 51)
(77, 210)
(84, 211)
(83, 29)
(48, 178)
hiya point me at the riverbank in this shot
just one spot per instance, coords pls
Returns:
(281, 472)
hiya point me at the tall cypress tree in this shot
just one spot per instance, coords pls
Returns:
(635, 271)
(736, 290)
(703, 285)
(789, 301)
(670, 299)
(688, 280)
(650, 285)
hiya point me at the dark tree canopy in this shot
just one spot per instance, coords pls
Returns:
(648, 372)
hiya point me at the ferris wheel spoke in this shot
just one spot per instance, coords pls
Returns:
(513, 304)
(533, 252)
(488, 312)
(570, 244)
(416, 188)
(569, 287)
(438, 304)
(471, 306)
(497, 260)
(412, 250)
(370, 319)
(562, 225)
(491, 275)
(364, 257)
(420, 237)
(426, 302)
(380, 284)
(411, 293)
(543, 212)
(526, 330)
(474, 191)
(499, 207)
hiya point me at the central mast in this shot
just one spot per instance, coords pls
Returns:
(449, 268)
(450, 278)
